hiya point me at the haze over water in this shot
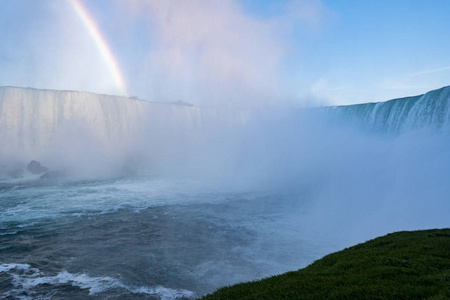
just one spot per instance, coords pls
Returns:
(230, 199)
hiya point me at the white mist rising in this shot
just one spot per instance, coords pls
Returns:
(340, 179)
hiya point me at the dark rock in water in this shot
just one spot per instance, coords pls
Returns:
(53, 175)
(35, 167)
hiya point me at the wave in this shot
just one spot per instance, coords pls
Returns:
(25, 280)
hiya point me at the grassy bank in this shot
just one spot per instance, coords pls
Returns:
(401, 265)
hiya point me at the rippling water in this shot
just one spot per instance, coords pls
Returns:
(142, 238)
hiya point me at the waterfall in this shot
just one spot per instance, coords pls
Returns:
(33, 120)
(91, 132)
(430, 111)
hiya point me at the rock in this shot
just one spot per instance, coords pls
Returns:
(35, 167)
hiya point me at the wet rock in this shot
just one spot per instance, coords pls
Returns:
(35, 167)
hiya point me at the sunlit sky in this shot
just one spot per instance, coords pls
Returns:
(235, 52)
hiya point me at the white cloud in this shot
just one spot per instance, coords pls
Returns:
(425, 72)
(212, 52)
(314, 13)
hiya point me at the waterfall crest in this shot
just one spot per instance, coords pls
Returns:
(430, 111)
(32, 120)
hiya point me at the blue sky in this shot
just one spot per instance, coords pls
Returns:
(230, 51)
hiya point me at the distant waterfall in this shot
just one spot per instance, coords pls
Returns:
(33, 120)
(430, 111)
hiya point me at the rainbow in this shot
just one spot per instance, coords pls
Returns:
(102, 44)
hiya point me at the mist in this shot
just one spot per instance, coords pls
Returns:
(334, 178)
(344, 181)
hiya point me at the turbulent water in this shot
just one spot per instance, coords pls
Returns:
(167, 201)
(140, 238)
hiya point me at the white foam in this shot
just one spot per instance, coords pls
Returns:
(8, 267)
(98, 197)
(8, 233)
(25, 225)
(29, 278)
(164, 293)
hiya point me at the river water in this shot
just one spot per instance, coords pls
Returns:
(143, 238)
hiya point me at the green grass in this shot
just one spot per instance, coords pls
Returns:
(401, 265)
